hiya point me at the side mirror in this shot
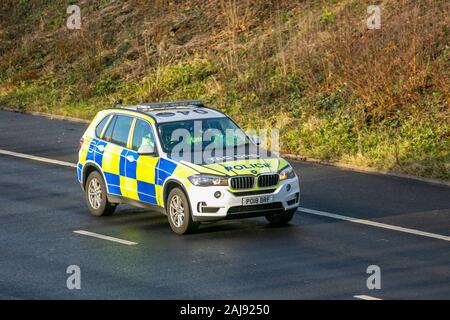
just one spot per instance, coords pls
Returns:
(256, 140)
(147, 150)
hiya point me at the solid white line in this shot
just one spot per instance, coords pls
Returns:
(376, 224)
(101, 236)
(364, 297)
(36, 158)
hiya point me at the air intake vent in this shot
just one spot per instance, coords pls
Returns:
(268, 180)
(240, 183)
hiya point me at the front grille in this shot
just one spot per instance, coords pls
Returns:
(256, 208)
(268, 180)
(243, 182)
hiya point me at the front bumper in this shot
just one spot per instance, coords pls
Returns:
(206, 207)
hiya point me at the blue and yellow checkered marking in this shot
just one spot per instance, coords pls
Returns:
(146, 192)
(136, 179)
(99, 151)
(165, 170)
(91, 151)
(80, 172)
(113, 181)
(122, 162)
(130, 166)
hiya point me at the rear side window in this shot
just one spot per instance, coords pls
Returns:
(121, 130)
(108, 133)
(100, 126)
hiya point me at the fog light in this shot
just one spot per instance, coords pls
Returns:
(200, 206)
(288, 187)
(217, 194)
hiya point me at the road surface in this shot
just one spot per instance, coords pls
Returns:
(348, 222)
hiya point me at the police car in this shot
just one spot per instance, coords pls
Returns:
(178, 158)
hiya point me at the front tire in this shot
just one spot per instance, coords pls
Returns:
(96, 196)
(179, 212)
(281, 219)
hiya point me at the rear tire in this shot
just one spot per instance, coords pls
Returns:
(96, 196)
(281, 219)
(178, 212)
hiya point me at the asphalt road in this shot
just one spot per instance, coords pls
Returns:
(315, 257)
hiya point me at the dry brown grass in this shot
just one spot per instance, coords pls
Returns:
(386, 69)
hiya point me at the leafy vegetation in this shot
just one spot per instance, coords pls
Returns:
(312, 69)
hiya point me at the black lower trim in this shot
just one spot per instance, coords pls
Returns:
(253, 214)
(209, 209)
(120, 200)
(239, 212)
(251, 193)
(256, 208)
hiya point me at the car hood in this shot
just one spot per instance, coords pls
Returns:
(246, 164)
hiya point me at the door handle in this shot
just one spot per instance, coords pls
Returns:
(101, 148)
(130, 158)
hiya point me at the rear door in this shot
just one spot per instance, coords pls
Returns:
(114, 155)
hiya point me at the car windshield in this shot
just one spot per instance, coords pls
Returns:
(199, 134)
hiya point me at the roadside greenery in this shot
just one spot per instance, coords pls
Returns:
(336, 90)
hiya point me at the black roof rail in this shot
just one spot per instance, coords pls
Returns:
(171, 104)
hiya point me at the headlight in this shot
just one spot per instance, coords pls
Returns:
(203, 180)
(287, 173)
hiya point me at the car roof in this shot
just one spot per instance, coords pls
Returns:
(176, 110)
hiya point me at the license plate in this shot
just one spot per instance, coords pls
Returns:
(256, 200)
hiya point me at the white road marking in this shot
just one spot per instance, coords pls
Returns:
(364, 297)
(36, 158)
(375, 224)
(101, 236)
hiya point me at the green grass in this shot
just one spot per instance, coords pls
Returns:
(416, 144)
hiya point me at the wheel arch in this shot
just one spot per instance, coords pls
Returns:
(88, 168)
(170, 184)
